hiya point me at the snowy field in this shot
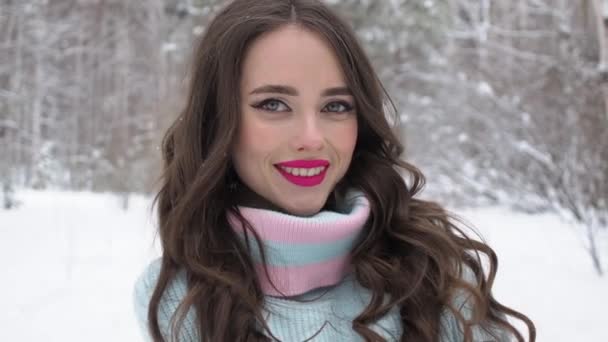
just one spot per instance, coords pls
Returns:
(69, 261)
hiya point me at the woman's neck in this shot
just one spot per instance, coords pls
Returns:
(246, 197)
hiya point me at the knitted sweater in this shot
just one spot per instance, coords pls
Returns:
(315, 293)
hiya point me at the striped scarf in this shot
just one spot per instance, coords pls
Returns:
(305, 253)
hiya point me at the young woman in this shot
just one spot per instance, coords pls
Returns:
(284, 213)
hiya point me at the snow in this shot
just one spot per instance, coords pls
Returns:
(168, 47)
(69, 261)
(484, 88)
(545, 273)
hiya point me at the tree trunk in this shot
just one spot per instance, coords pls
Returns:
(600, 25)
(593, 251)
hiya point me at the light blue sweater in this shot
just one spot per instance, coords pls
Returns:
(294, 321)
(307, 256)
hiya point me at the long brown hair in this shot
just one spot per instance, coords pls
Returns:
(413, 252)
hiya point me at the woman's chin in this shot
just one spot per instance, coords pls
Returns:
(304, 211)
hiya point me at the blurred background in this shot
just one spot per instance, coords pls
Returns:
(503, 105)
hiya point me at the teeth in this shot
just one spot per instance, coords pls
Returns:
(304, 172)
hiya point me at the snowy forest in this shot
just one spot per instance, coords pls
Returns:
(503, 105)
(500, 101)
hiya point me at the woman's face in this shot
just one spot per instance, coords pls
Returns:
(297, 112)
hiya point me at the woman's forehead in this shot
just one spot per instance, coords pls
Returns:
(293, 56)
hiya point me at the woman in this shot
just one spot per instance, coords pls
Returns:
(283, 211)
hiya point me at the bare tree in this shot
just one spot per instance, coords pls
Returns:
(523, 117)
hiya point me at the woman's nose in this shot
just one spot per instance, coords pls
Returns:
(309, 133)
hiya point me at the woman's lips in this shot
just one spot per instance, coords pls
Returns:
(306, 181)
(304, 163)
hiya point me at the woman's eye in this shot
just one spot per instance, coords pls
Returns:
(272, 105)
(338, 107)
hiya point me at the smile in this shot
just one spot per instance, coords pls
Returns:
(303, 172)
(304, 176)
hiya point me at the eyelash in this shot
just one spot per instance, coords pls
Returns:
(260, 105)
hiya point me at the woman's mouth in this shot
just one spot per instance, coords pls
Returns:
(303, 176)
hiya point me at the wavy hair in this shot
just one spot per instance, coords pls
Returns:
(413, 252)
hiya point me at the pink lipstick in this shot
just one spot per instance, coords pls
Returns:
(305, 164)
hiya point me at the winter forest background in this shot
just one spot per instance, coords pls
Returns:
(503, 104)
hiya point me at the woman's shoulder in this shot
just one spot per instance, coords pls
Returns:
(146, 283)
(171, 298)
(464, 303)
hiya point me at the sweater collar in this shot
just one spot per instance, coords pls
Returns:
(304, 253)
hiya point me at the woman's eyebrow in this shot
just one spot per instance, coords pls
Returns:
(337, 91)
(291, 91)
(275, 89)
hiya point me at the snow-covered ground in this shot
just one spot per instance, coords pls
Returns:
(69, 260)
